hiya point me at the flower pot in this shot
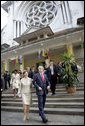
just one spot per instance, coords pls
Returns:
(71, 90)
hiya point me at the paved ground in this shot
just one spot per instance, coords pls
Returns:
(14, 118)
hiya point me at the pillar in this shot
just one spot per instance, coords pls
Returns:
(17, 28)
(6, 65)
(45, 36)
(22, 65)
(14, 29)
(21, 27)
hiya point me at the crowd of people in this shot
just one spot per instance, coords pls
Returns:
(43, 80)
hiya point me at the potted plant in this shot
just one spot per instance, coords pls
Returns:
(69, 76)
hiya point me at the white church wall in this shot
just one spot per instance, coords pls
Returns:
(18, 9)
(77, 11)
(4, 35)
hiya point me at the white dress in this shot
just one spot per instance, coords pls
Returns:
(15, 80)
(26, 90)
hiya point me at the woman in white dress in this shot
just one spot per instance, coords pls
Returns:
(15, 81)
(25, 89)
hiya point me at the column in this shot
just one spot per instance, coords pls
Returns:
(68, 12)
(2, 67)
(6, 65)
(22, 65)
(17, 28)
(63, 12)
(38, 37)
(21, 27)
(45, 36)
(14, 29)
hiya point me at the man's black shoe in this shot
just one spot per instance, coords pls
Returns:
(53, 93)
(45, 120)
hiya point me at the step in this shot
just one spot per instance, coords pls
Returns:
(33, 92)
(47, 99)
(61, 111)
(57, 90)
(62, 85)
(61, 105)
(60, 95)
(81, 84)
(48, 104)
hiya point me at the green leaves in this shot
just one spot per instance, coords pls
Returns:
(66, 57)
(69, 77)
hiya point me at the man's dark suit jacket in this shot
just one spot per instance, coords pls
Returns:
(37, 81)
(48, 72)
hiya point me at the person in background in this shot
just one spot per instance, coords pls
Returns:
(74, 68)
(2, 84)
(59, 71)
(25, 90)
(29, 72)
(15, 81)
(20, 74)
(5, 79)
(52, 76)
(33, 71)
(42, 86)
(8, 78)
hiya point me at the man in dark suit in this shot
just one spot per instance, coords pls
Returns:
(29, 72)
(5, 79)
(52, 76)
(74, 68)
(59, 71)
(2, 84)
(42, 86)
(33, 71)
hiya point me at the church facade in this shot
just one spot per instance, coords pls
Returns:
(40, 31)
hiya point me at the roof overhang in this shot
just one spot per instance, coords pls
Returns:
(42, 31)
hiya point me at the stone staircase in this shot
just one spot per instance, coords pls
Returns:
(61, 103)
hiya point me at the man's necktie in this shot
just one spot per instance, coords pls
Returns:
(42, 77)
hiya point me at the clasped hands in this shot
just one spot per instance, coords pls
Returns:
(48, 88)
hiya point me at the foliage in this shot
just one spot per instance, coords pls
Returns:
(70, 78)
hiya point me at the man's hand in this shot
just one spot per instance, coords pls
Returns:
(1, 89)
(48, 87)
(40, 88)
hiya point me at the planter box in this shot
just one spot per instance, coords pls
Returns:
(71, 90)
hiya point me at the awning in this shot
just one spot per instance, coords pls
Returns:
(34, 35)
(57, 41)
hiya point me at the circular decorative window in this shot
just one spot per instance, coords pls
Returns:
(41, 13)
